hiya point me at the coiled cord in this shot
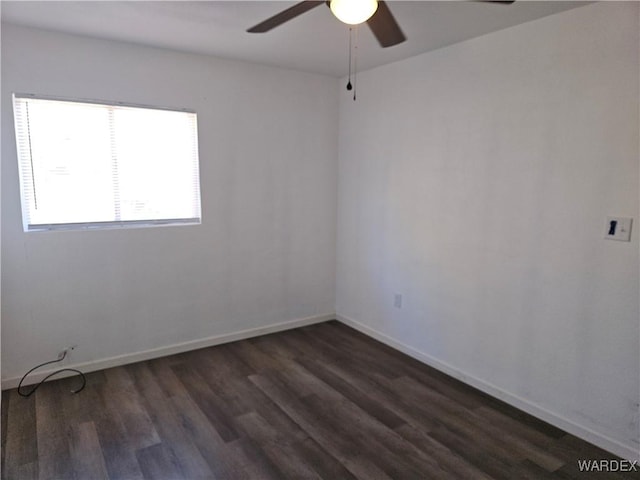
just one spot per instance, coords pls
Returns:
(64, 354)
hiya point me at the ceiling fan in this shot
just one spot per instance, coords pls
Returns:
(353, 12)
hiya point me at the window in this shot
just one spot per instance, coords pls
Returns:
(89, 165)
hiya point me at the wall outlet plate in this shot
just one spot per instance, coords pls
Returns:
(397, 300)
(618, 228)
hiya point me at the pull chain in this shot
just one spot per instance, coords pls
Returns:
(353, 46)
(355, 65)
(349, 87)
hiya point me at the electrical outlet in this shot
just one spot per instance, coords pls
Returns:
(66, 351)
(397, 300)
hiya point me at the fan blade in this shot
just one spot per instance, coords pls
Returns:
(384, 26)
(284, 16)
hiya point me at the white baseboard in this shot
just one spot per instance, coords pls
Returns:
(119, 360)
(628, 452)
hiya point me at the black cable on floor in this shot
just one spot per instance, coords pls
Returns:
(62, 357)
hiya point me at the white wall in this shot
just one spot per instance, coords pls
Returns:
(264, 252)
(475, 181)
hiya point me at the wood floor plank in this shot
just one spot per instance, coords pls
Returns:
(158, 463)
(28, 471)
(118, 449)
(217, 454)
(21, 446)
(301, 381)
(270, 411)
(396, 457)
(124, 401)
(319, 402)
(317, 416)
(398, 364)
(3, 421)
(491, 464)
(346, 350)
(411, 406)
(228, 389)
(256, 462)
(357, 396)
(119, 457)
(411, 411)
(86, 453)
(289, 462)
(257, 428)
(523, 417)
(165, 378)
(508, 423)
(364, 469)
(87, 405)
(323, 463)
(168, 422)
(364, 378)
(472, 421)
(294, 458)
(540, 456)
(338, 446)
(440, 416)
(447, 460)
(53, 432)
(208, 401)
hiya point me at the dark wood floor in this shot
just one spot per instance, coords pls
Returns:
(317, 402)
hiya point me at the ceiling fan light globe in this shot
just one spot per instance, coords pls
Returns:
(353, 12)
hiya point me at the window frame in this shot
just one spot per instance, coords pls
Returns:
(27, 186)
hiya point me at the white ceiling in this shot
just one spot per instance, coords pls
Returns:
(314, 42)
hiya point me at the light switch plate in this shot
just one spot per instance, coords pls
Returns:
(618, 228)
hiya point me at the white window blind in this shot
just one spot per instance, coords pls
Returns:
(89, 165)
